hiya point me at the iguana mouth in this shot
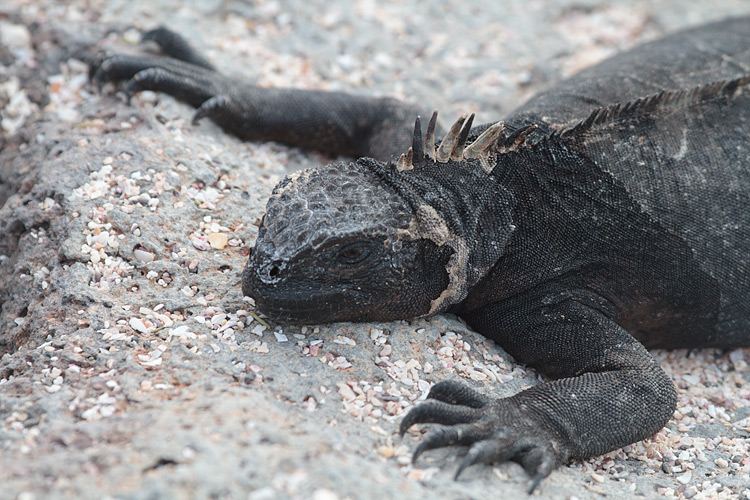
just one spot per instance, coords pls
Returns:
(292, 312)
(301, 308)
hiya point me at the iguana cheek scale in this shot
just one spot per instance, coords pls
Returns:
(608, 214)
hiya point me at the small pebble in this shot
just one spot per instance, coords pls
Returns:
(143, 255)
(218, 240)
(684, 478)
(280, 337)
(138, 325)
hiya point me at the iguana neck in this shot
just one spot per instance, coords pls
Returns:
(460, 205)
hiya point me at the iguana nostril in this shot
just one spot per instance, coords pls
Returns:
(274, 272)
(271, 272)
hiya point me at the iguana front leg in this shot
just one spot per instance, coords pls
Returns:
(333, 122)
(612, 392)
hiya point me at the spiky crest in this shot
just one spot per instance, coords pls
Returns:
(457, 152)
(449, 142)
(429, 139)
(515, 140)
(406, 160)
(453, 146)
(666, 101)
(485, 140)
(417, 144)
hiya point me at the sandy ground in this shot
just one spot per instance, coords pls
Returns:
(132, 367)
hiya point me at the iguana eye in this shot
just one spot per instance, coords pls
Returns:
(353, 253)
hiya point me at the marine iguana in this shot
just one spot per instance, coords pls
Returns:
(607, 215)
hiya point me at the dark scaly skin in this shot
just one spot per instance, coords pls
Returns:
(574, 250)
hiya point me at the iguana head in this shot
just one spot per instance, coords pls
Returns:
(367, 241)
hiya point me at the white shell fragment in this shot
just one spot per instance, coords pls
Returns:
(143, 255)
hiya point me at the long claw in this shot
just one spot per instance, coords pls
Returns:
(458, 393)
(439, 412)
(96, 75)
(538, 462)
(462, 434)
(535, 482)
(464, 464)
(495, 450)
(209, 107)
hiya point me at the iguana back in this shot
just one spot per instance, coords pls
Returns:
(683, 158)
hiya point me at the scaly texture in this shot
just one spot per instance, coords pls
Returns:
(606, 215)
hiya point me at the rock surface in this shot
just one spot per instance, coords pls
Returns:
(132, 367)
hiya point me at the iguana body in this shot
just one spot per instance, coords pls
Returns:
(573, 236)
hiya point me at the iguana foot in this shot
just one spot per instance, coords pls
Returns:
(180, 72)
(331, 122)
(495, 430)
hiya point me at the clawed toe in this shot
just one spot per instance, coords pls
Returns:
(492, 450)
(539, 462)
(463, 434)
(216, 105)
(438, 412)
(457, 393)
(175, 46)
(494, 430)
(184, 76)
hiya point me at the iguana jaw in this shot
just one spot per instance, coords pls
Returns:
(392, 282)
